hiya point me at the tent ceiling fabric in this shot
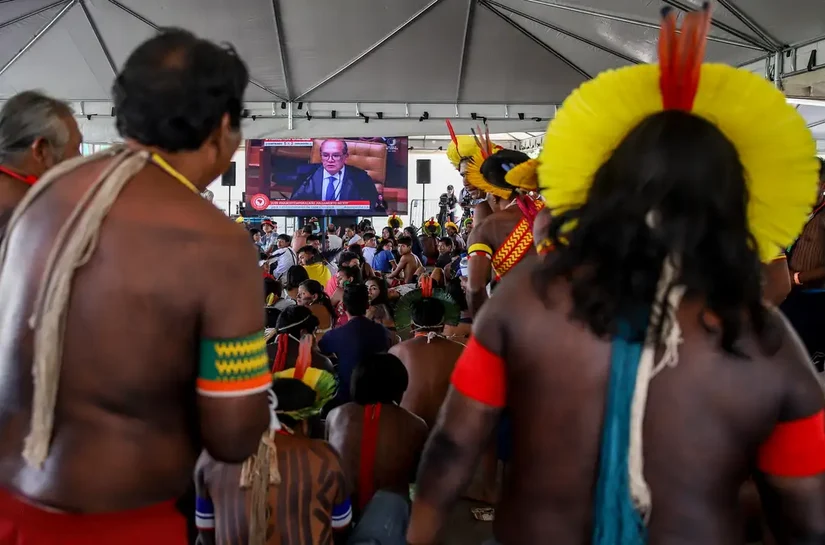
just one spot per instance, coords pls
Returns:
(423, 51)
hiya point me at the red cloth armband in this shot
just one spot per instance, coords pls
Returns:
(479, 374)
(795, 448)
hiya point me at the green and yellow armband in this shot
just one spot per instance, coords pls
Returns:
(233, 367)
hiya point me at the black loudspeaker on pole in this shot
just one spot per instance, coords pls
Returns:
(422, 177)
(422, 171)
(228, 177)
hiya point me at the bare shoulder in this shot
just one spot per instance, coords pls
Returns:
(399, 350)
(481, 232)
(415, 423)
(339, 414)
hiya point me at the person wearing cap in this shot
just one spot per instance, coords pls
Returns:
(269, 239)
(446, 205)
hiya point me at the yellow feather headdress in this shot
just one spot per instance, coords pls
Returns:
(522, 176)
(774, 144)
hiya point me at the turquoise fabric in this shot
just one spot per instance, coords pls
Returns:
(616, 520)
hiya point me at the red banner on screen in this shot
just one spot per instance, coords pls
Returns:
(318, 205)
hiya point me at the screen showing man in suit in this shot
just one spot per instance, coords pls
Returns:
(327, 176)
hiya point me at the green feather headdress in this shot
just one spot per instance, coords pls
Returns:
(410, 301)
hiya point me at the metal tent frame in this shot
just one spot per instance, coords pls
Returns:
(734, 29)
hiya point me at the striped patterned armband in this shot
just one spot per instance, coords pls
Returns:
(480, 249)
(233, 367)
(204, 514)
(342, 515)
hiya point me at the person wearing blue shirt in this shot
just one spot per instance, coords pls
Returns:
(353, 341)
(384, 261)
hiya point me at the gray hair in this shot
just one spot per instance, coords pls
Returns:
(30, 115)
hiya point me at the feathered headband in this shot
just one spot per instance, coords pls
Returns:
(460, 148)
(409, 301)
(322, 382)
(518, 176)
(395, 222)
(450, 224)
(771, 138)
(431, 227)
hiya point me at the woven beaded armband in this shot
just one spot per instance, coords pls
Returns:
(233, 367)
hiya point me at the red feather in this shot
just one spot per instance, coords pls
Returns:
(487, 138)
(280, 355)
(452, 134)
(427, 286)
(304, 357)
(681, 56)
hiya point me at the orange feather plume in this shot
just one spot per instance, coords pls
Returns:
(304, 360)
(680, 57)
(426, 284)
(453, 137)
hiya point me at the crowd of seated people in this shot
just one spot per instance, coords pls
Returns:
(344, 432)
(389, 264)
(332, 322)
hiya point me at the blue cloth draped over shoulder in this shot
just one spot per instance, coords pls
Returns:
(616, 520)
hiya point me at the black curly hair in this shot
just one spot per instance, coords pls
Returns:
(175, 88)
(680, 172)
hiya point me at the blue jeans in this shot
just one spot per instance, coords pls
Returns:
(383, 522)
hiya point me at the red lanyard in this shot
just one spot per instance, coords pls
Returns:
(25, 179)
(816, 210)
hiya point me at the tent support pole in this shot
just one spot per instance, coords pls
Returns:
(147, 22)
(538, 42)
(99, 37)
(816, 123)
(290, 121)
(464, 43)
(637, 22)
(777, 70)
(726, 28)
(358, 58)
(566, 33)
(25, 16)
(276, 18)
(69, 5)
(751, 23)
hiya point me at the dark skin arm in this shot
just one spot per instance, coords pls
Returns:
(480, 271)
(463, 430)
(795, 506)
(402, 264)
(777, 281)
(231, 427)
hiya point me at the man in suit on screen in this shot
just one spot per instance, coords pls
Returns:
(334, 180)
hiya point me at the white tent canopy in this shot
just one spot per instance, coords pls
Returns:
(416, 62)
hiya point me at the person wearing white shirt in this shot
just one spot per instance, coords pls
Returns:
(333, 240)
(369, 249)
(284, 257)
